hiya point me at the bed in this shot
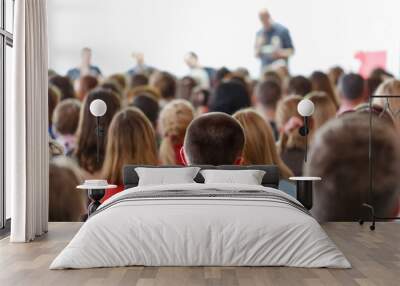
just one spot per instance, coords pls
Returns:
(199, 224)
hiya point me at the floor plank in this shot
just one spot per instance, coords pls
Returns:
(375, 257)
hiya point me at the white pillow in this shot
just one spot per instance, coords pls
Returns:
(247, 177)
(166, 176)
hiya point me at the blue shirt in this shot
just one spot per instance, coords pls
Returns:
(278, 37)
(75, 73)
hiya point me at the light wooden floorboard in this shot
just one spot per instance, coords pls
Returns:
(375, 257)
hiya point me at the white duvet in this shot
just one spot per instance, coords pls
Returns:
(201, 231)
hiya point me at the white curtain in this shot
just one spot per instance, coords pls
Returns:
(27, 122)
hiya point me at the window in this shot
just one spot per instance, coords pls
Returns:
(6, 43)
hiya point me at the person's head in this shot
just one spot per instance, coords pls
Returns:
(191, 60)
(174, 119)
(145, 89)
(86, 56)
(381, 73)
(53, 100)
(185, 87)
(131, 140)
(259, 147)
(113, 86)
(200, 97)
(288, 121)
(120, 79)
(214, 139)
(139, 58)
(324, 110)
(165, 83)
(66, 116)
(299, 85)
(372, 85)
(230, 97)
(268, 94)
(148, 105)
(352, 88)
(86, 134)
(321, 82)
(271, 75)
(339, 155)
(334, 75)
(86, 84)
(65, 203)
(265, 18)
(138, 79)
(64, 84)
(390, 87)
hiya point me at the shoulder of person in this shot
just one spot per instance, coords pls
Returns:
(280, 28)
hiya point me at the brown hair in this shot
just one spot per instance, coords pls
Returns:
(320, 82)
(86, 134)
(260, 148)
(268, 93)
(214, 138)
(64, 84)
(286, 109)
(165, 83)
(66, 116)
(86, 84)
(325, 109)
(54, 98)
(339, 155)
(65, 203)
(120, 79)
(131, 140)
(175, 117)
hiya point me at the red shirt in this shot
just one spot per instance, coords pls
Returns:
(110, 192)
(178, 159)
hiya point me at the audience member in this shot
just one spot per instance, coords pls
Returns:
(213, 139)
(86, 68)
(145, 89)
(86, 148)
(259, 147)
(272, 76)
(321, 82)
(65, 122)
(65, 203)
(86, 84)
(199, 99)
(220, 76)
(149, 106)
(185, 87)
(299, 85)
(229, 97)
(381, 73)
(268, 93)
(352, 92)
(131, 140)
(334, 75)
(120, 79)
(392, 105)
(291, 145)
(113, 86)
(339, 155)
(324, 110)
(165, 83)
(65, 86)
(137, 80)
(174, 120)
(53, 99)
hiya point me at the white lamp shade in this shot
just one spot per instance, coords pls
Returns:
(305, 107)
(98, 107)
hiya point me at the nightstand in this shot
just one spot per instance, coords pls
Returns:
(304, 190)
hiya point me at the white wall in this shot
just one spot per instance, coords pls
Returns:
(325, 32)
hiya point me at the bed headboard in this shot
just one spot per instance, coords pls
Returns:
(270, 179)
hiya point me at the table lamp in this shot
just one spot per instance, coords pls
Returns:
(305, 109)
(98, 108)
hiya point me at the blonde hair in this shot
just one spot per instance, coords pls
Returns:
(131, 140)
(259, 147)
(286, 109)
(175, 117)
(390, 87)
(325, 109)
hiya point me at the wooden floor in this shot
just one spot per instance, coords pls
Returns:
(375, 257)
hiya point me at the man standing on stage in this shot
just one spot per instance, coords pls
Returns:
(273, 43)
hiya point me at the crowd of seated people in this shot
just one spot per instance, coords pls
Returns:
(222, 117)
